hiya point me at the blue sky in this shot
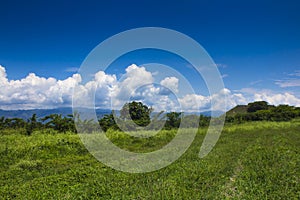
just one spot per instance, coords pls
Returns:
(256, 44)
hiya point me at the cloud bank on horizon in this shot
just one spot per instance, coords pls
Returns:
(34, 92)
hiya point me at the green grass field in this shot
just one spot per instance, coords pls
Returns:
(255, 160)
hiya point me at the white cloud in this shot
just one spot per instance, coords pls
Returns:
(134, 78)
(96, 92)
(288, 83)
(3, 75)
(296, 73)
(171, 83)
(272, 97)
(61, 91)
(276, 99)
(35, 92)
(194, 102)
(221, 65)
(291, 81)
(222, 101)
(255, 82)
(224, 75)
(136, 84)
(72, 69)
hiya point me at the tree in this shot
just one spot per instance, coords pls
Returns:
(204, 121)
(284, 113)
(136, 111)
(17, 123)
(157, 121)
(32, 124)
(2, 123)
(297, 112)
(191, 121)
(107, 122)
(258, 105)
(59, 123)
(173, 120)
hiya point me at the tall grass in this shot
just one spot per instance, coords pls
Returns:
(256, 160)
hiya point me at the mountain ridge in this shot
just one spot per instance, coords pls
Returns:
(64, 111)
(26, 114)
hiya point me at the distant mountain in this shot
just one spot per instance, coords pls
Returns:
(217, 113)
(241, 109)
(26, 114)
(253, 107)
(208, 113)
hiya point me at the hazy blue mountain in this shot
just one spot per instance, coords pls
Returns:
(25, 114)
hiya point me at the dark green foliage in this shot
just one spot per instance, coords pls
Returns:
(284, 113)
(17, 123)
(107, 121)
(190, 121)
(14, 123)
(53, 121)
(253, 160)
(261, 111)
(59, 123)
(87, 126)
(173, 120)
(2, 123)
(136, 111)
(204, 121)
(32, 125)
(258, 105)
(136, 114)
(157, 121)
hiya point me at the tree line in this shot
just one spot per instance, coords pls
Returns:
(262, 111)
(140, 114)
(136, 114)
(55, 122)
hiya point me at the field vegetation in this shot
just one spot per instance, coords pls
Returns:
(253, 159)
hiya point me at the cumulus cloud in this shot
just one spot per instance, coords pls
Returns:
(3, 75)
(221, 101)
(106, 91)
(95, 93)
(60, 92)
(194, 102)
(134, 78)
(35, 92)
(274, 98)
(170, 83)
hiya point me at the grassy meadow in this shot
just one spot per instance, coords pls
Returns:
(252, 160)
